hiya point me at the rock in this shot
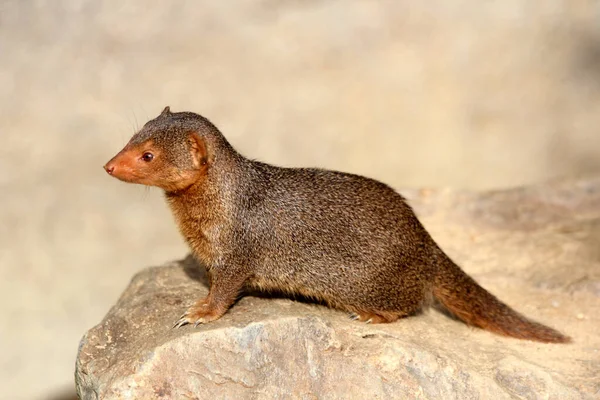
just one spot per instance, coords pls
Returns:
(537, 248)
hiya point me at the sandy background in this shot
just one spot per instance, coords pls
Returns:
(453, 93)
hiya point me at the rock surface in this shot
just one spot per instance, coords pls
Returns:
(537, 248)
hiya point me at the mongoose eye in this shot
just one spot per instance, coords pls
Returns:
(148, 156)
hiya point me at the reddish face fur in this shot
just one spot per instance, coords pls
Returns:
(147, 164)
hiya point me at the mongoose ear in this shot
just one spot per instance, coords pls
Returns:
(166, 111)
(199, 151)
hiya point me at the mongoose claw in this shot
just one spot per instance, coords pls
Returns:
(197, 315)
(354, 316)
(185, 321)
(181, 322)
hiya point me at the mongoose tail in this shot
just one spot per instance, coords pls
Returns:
(474, 305)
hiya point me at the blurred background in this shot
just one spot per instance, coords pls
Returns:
(462, 94)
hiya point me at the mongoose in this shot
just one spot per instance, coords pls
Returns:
(343, 239)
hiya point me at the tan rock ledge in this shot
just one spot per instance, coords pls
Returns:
(536, 248)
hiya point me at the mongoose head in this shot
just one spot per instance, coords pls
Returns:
(169, 152)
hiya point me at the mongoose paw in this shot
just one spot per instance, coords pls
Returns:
(356, 317)
(199, 313)
(373, 318)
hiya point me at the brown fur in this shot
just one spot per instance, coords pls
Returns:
(346, 240)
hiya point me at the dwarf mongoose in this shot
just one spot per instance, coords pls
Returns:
(346, 240)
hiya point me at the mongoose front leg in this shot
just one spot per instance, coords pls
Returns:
(223, 291)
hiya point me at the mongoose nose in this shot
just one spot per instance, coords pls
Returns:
(109, 169)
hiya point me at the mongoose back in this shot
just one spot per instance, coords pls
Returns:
(346, 240)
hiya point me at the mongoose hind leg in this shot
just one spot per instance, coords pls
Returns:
(381, 317)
